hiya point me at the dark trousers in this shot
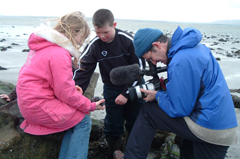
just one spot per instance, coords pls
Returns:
(118, 116)
(152, 117)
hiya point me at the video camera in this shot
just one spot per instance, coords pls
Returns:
(153, 84)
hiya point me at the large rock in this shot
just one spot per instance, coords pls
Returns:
(15, 144)
(89, 93)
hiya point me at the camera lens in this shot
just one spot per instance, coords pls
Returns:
(135, 93)
(148, 86)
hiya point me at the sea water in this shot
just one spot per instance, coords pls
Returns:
(129, 25)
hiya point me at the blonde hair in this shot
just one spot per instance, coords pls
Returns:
(72, 24)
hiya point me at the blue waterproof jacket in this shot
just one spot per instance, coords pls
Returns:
(196, 86)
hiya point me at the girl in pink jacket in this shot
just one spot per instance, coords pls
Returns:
(47, 96)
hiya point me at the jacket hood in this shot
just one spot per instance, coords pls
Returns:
(182, 39)
(45, 36)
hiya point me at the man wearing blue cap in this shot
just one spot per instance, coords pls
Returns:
(197, 104)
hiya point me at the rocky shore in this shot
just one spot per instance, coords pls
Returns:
(16, 144)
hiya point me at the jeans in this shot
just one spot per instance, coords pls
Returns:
(76, 140)
(152, 118)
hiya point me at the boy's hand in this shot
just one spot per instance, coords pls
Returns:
(121, 100)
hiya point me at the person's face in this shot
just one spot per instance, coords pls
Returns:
(156, 54)
(106, 33)
(78, 38)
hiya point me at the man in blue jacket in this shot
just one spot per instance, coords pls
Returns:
(197, 104)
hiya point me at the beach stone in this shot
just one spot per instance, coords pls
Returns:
(219, 48)
(3, 49)
(9, 136)
(166, 147)
(2, 68)
(215, 43)
(237, 52)
(213, 36)
(222, 40)
(25, 50)
(229, 55)
(236, 42)
(11, 108)
(235, 90)
(2, 40)
(236, 101)
(14, 44)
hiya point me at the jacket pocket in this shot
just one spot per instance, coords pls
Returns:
(48, 108)
(57, 110)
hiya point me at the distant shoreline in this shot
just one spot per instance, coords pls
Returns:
(224, 22)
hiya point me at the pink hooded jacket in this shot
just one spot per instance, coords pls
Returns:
(47, 97)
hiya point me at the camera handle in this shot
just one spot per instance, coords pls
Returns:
(153, 71)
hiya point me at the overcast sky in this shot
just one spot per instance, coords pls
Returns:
(162, 10)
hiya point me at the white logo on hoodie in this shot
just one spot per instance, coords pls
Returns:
(104, 53)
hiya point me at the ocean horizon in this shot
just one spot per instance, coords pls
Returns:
(131, 24)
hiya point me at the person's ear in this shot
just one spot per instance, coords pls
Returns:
(157, 44)
(114, 24)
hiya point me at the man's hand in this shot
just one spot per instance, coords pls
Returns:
(6, 97)
(121, 100)
(150, 94)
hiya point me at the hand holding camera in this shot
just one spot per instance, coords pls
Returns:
(128, 74)
(155, 84)
(150, 94)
